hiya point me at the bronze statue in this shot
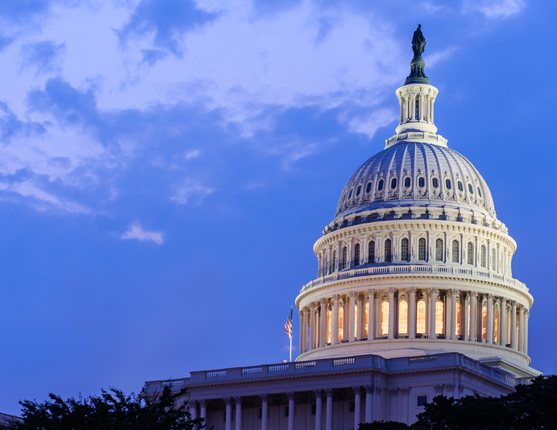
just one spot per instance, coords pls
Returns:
(418, 42)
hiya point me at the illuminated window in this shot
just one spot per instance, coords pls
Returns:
(403, 317)
(420, 316)
(484, 322)
(470, 253)
(371, 252)
(340, 323)
(421, 249)
(439, 250)
(456, 251)
(404, 250)
(496, 326)
(388, 253)
(344, 258)
(357, 255)
(458, 317)
(482, 256)
(439, 317)
(366, 319)
(468, 319)
(356, 319)
(329, 325)
(385, 318)
(417, 116)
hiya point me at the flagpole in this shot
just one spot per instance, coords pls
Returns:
(291, 336)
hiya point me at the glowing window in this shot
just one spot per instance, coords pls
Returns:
(496, 326)
(404, 250)
(368, 188)
(417, 116)
(484, 322)
(439, 307)
(385, 318)
(468, 320)
(357, 255)
(421, 182)
(329, 325)
(356, 319)
(371, 252)
(366, 319)
(456, 251)
(393, 183)
(460, 186)
(448, 184)
(471, 188)
(435, 183)
(439, 250)
(340, 322)
(344, 258)
(458, 317)
(470, 256)
(380, 185)
(358, 190)
(407, 182)
(421, 249)
(388, 252)
(482, 257)
(479, 191)
(420, 317)
(403, 317)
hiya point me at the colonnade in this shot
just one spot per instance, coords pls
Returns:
(414, 313)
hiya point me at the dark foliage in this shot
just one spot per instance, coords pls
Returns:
(110, 411)
(383, 425)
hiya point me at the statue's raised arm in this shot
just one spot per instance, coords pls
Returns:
(418, 42)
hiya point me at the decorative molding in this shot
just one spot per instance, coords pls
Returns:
(369, 389)
(405, 390)
(264, 397)
(439, 388)
(291, 395)
(238, 400)
(329, 392)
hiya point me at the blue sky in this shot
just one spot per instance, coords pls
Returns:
(166, 166)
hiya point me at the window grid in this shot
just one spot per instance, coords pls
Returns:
(384, 318)
(470, 253)
(439, 305)
(420, 317)
(344, 257)
(421, 249)
(439, 250)
(357, 255)
(371, 252)
(456, 251)
(388, 250)
(404, 250)
(483, 256)
(403, 317)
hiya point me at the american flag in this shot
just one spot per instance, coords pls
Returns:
(288, 325)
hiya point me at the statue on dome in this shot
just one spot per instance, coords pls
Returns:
(418, 42)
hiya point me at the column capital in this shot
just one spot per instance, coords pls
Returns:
(312, 306)
(370, 293)
(352, 295)
(192, 403)
(202, 403)
(357, 389)
(490, 296)
(434, 290)
(335, 298)
(412, 290)
(394, 391)
(474, 294)
(392, 290)
(324, 301)
(228, 400)
(329, 392)
(454, 291)
(378, 390)
(369, 389)
(318, 392)
(449, 294)
(238, 400)
(439, 388)
(405, 390)
(449, 387)
(264, 397)
(290, 395)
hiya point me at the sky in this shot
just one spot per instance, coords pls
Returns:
(167, 165)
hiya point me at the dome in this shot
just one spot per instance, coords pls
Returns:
(416, 174)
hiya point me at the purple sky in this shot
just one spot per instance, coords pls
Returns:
(166, 166)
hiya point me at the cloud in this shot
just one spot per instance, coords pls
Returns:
(135, 231)
(370, 123)
(264, 7)
(494, 9)
(168, 20)
(191, 188)
(151, 56)
(192, 154)
(45, 56)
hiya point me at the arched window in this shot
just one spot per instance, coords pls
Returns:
(494, 264)
(357, 255)
(420, 316)
(371, 252)
(404, 250)
(460, 186)
(329, 325)
(483, 256)
(470, 256)
(340, 323)
(356, 309)
(388, 252)
(435, 183)
(384, 318)
(380, 185)
(496, 326)
(471, 188)
(368, 188)
(439, 250)
(448, 184)
(403, 317)
(439, 311)
(421, 249)
(421, 182)
(417, 116)
(344, 258)
(350, 195)
(456, 251)
(358, 190)
(479, 191)
(458, 318)
(484, 322)
(334, 261)
(407, 182)
(393, 183)
(366, 319)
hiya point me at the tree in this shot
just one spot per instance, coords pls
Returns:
(112, 410)
(383, 425)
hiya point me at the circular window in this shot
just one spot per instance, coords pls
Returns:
(460, 187)
(380, 185)
(359, 190)
(368, 188)
(471, 188)
(421, 182)
(435, 183)
(393, 183)
(407, 182)
(479, 192)
(448, 184)
(350, 195)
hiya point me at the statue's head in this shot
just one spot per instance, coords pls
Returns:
(419, 26)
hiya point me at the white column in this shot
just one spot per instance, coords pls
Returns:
(312, 325)
(290, 410)
(318, 408)
(264, 411)
(193, 409)
(301, 340)
(329, 415)
(357, 406)
(412, 313)
(473, 303)
(526, 316)
(361, 314)
(238, 401)
(489, 333)
(228, 416)
(351, 325)
(453, 314)
(513, 325)
(392, 312)
(371, 315)
(465, 317)
(503, 322)
(323, 323)
(432, 302)
(521, 328)
(306, 327)
(334, 336)
(369, 398)
(203, 410)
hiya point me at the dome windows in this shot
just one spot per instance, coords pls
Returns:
(371, 252)
(421, 182)
(407, 182)
(404, 250)
(456, 251)
(357, 255)
(448, 184)
(460, 186)
(388, 250)
(368, 188)
(350, 195)
(393, 183)
(471, 188)
(435, 183)
(479, 191)
(343, 264)
(380, 185)
(358, 190)
(439, 250)
(470, 259)
(421, 249)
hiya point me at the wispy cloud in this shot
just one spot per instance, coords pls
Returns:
(189, 189)
(45, 57)
(135, 231)
(494, 9)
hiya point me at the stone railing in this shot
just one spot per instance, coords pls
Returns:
(419, 270)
